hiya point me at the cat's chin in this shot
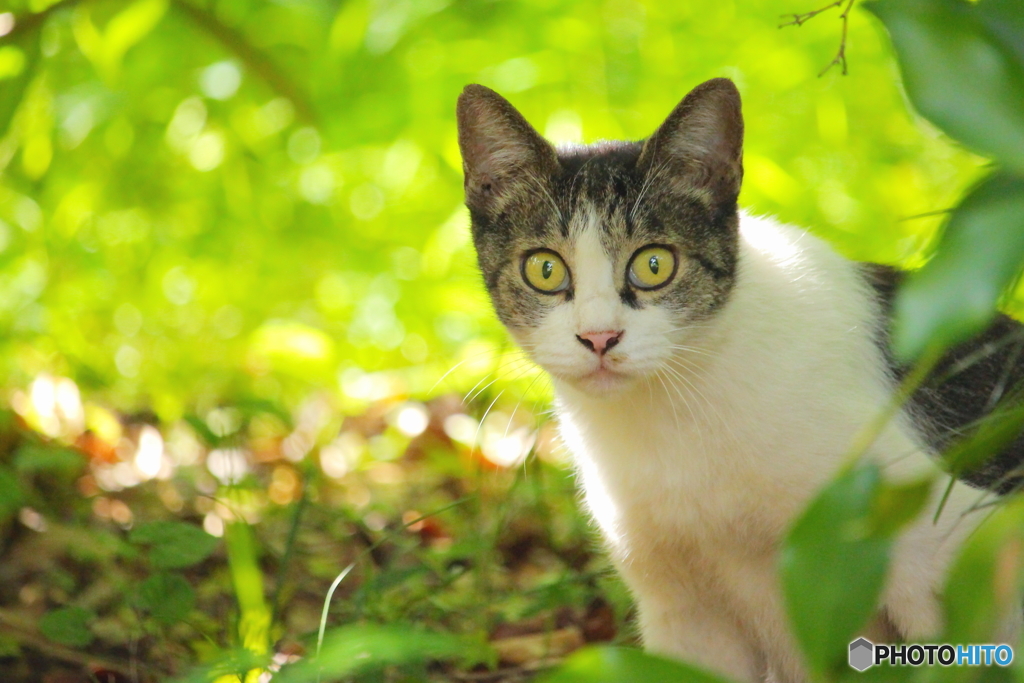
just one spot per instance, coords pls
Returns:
(602, 382)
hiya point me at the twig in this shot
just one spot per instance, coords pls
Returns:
(289, 547)
(844, 16)
(840, 57)
(926, 214)
(800, 19)
(256, 60)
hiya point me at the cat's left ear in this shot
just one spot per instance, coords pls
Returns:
(701, 142)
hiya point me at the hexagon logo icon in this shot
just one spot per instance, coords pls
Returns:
(862, 654)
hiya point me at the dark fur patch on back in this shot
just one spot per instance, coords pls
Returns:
(969, 381)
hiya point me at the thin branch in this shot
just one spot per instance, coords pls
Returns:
(840, 57)
(926, 214)
(256, 60)
(289, 547)
(799, 19)
(844, 16)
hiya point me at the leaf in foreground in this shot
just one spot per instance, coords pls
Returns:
(355, 648)
(985, 579)
(834, 560)
(961, 75)
(234, 665)
(954, 296)
(618, 664)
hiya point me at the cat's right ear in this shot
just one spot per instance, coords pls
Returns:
(701, 141)
(501, 151)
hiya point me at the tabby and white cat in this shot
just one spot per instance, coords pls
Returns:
(711, 370)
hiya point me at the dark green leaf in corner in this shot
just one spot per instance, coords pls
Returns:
(167, 597)
(955, 294)
(833, 566)
(619, 664)
(985, 577)
(965, 78)
(174, 544)
(68, 626)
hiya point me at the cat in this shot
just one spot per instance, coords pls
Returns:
(710, 368)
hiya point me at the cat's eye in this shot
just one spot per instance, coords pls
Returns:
(545, 271)
(652, 267)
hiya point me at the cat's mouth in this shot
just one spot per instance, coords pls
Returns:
(603, 378)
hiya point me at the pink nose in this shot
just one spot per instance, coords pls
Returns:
(600, 342)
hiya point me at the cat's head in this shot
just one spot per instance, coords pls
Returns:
(602, 260)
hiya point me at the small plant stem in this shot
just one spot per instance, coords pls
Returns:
(289, 547)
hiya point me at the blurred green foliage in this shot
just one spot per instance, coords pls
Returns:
(239, 220)
(240, 200)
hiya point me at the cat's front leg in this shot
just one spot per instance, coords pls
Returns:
(689, 630)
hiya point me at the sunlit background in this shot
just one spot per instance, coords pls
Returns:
(241, 203)
(232, 240)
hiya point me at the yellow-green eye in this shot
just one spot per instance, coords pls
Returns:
(652, 267)
(545, 271)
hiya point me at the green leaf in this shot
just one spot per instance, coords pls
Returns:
(985, 577)
(954, 296)
(12, 496)
(833, 566)
(167, 597)
(107, 49)
(68, 626)
(618, 664)
(234, 664)
(958, 73)
(355, 648)
(174, 544)
(982, 588)
(1006, 23)
(31, 459)
(896, 505)
(996, 432)
(881, 673)
(9, 647)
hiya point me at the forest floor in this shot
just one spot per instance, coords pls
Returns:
(147, 553)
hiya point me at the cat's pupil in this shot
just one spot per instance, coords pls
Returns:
(547, 269)
(653, 264)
